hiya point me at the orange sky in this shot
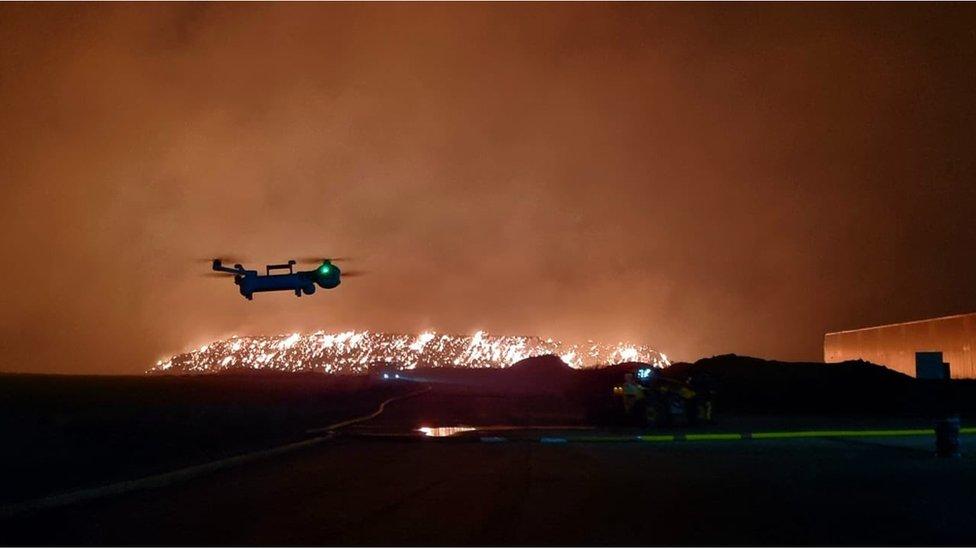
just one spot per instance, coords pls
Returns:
(703, 178)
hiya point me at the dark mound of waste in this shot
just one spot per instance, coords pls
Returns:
(545, 374)
(608, 376)
(545, 365)
(754, 385)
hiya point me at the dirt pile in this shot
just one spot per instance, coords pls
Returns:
(754, 385)
(540, 366)
(538, 375)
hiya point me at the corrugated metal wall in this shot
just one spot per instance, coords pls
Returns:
(895, 345)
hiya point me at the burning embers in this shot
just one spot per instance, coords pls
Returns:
(354, 352)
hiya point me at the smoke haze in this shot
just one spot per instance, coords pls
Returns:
(700, 178)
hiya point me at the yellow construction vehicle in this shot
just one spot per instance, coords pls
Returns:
(647, 398)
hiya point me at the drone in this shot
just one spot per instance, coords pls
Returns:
(327, 275)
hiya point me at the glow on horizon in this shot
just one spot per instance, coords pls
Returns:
(353, 352)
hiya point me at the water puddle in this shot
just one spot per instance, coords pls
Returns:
(443, 431)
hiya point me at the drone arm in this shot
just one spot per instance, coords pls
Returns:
(218, 266)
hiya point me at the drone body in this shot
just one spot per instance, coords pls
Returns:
(325, 275)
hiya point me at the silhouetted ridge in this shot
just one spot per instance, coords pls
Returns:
(541, 365)
(752, 384)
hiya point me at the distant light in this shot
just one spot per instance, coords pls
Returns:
(386, 376)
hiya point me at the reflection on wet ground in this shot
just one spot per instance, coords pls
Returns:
(443, 431)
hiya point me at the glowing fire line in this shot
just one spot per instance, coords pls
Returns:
(353, 352)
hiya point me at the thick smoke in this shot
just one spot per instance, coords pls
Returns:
(698, 178)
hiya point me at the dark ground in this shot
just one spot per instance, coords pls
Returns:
(360, 492)
(364, 490)
(67, 432)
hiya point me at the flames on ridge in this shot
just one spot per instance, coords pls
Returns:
(354, 352)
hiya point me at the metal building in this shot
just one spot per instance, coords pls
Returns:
(895, 345)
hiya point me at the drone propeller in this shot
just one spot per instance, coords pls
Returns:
(354, 274)
(216, 274)
(225, 259)
(320, 259)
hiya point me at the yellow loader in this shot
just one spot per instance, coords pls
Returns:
(648, 399)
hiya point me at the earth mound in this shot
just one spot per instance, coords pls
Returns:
(544, 365)
(755, 385)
